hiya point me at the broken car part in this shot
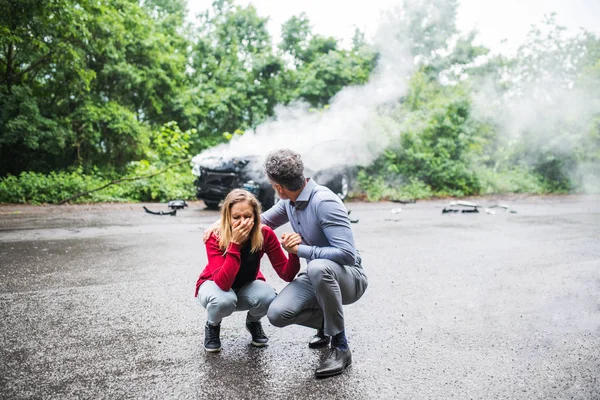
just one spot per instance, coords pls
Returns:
(171, 213)
(449, 210)
(403, 201)
(354, 221)
(177, 204)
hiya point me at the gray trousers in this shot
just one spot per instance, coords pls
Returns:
(254, 297)
(315, 298)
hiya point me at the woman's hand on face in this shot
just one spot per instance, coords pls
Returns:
(240, 231)
(290, 242)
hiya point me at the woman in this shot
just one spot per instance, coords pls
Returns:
(232, 280)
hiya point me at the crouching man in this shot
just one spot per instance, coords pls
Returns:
(334, 276)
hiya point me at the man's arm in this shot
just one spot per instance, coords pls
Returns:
(275, 216)
(335, 223)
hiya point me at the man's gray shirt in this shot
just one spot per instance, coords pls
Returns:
(321, 219)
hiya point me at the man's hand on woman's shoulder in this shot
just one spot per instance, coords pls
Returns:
(214, 228)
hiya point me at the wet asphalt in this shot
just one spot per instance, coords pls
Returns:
(97, 302)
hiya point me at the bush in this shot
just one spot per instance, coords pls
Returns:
(169, 145)
(37, 188)
(175, 183)
(378, 187)
(516, 180)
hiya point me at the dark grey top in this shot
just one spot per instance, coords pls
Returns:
(319, 216)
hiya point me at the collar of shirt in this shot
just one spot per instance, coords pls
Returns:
(304, 197)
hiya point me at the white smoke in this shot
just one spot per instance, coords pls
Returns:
(351, 124)
(545, 110)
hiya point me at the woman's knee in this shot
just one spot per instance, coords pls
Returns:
(261, 301)
(266, 299)
(223, 303)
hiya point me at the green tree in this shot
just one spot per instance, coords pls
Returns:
(83, 81)
(236, 76)
(42, 67)
(438, 139)
(321, 68)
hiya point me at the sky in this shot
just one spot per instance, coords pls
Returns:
(502, 24)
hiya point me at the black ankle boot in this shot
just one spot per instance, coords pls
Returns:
(212, 342)
(259, 339)
(335, 363)
(319, 341)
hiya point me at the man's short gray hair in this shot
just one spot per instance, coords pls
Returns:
(285, 167)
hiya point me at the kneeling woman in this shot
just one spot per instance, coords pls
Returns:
(232, 280)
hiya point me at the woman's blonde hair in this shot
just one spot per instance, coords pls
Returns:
(255, 237)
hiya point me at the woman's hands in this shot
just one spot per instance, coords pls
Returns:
(241, 230)
(290, 242)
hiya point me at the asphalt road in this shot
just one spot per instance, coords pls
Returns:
(97, 302)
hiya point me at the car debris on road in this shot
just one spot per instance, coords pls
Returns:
(174, 205)
(404, 201)
(468, 207)
(172, 213)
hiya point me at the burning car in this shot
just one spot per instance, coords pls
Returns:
(216, 176)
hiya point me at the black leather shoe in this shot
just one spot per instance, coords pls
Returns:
(259, 339)
(212, 341)
(337, 360)
(319, 341)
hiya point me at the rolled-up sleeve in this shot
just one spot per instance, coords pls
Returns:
(335, 223)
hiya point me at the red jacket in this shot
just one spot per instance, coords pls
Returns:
(223, 266)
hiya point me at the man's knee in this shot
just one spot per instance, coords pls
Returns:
(319, 269)
(278, 314)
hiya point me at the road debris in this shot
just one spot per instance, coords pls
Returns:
(464, 204)
(468, 207)
(503, 206)
(404, 201)
(171, 213)
(177, 204)
(353, 221)
(174, 205)
(449, 210)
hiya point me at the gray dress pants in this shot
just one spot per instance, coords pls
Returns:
(254, 297)
(315, 298)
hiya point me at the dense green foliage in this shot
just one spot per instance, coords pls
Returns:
(93, 91)
(168, 147)
(527, 124)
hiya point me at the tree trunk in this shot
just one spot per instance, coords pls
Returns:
(9, 61)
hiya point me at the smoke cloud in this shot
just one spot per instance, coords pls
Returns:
(546, 111)
(352, 124)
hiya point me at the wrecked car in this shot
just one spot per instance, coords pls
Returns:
(216, 176)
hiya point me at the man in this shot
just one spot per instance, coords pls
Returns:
(334, 275)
